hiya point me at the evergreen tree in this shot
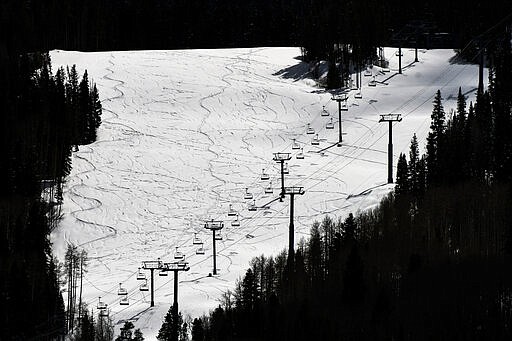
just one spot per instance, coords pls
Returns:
(434, 140)
(402, 177)
(198, 333)
(333, 76)
(171, 327)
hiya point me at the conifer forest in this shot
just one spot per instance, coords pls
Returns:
(431, 260)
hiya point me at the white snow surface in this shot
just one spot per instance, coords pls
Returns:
(185, 132)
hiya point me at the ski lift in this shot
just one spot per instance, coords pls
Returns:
(200, 250)
(144, 286)
(231, 212)
(122, 291)
(315, 141)
(269, 190)
(162, 273)
(141, 275)
(324, 112)
(218, 235)
(236, 222)
(124, 301)
(310, 130)
(248, 195)
(101, 305)
(104, 312)
(196, 240)
(329, 125)
(295, 145)
(300, 156)
(367, 72)
(178, 254)
(358, 95)
(252, 206)
(264, 176)
(372, 82)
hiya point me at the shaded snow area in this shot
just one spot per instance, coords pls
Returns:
(184, 133)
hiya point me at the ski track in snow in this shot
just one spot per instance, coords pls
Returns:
(185, 132)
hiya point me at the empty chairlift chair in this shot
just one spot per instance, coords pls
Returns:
(144, 286)
(236, 222)
(122, 291)
(286, 170)
(315, 141)
(329, 125)
(295, 145)
(344, 105)
(200, 250)
(178, 255)
(103, 313)
(162, 273)
(309, 130)
(218, 235)
(141, 275)
(264, 176)
(325, 113)
(358, 95)
(269, 190)
(367, 72)
(373, 82)
(252, 206)
(231, 211)
(124, 301)
(101, 305)
(196, 240)
(300, 156)
(248, 195)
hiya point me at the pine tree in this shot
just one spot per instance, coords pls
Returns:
(85, 116)
(172, 326)
(333, 76)
(198, 333)
(434, 140)
(402, 187)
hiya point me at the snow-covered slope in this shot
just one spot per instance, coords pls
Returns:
(184, 134)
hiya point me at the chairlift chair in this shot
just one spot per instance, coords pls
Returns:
(178, 254)
(329, 125)
(141, 275)
(372, 82)
(101, 305)
(124, 301)
(104, 313)
(358, 95)
(122, 291)
(252, 206)
(310, 130)
(248, 195)
(200, 250)
(324, 112)
(286, 170)
(344, 105)
(264, 176)
(269, 190)
(162, 273)
(295, 145)
(315, 141)
(300, 156)
(196, 240)
(231, 212)
(236, 222)
(218, 235)
(144, 286)
(367, 73)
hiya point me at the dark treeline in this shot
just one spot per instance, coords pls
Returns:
(167, 24)
(43, 117)
(431, 262)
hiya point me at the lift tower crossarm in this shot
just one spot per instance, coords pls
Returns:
(390, 118)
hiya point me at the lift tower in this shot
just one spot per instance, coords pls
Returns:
(214, 225)
(390, 118)
(176, 267)
(152, 265)
(292, 192)
(340, 98)
(281, 158)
